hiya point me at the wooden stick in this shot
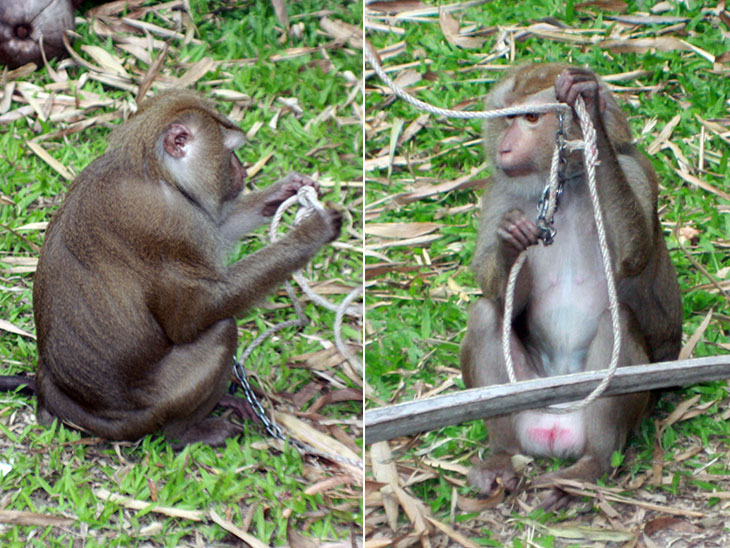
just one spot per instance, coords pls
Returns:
(412, 417)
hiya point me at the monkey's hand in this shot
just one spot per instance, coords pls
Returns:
(284, 189)
(516, 233)
(321, 226)
(575, 82)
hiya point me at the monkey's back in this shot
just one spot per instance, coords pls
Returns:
(98, 271)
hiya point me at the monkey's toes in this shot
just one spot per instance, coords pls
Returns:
(487, 480)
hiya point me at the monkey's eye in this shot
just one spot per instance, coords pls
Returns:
(532, 117)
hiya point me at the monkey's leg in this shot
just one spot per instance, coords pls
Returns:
(195, 378)
(607, 421)
(482, 364)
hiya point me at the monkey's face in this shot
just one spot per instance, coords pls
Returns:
(198, 152)
(524, 146)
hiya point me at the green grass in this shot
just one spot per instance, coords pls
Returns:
(417, 314)
(250, 482)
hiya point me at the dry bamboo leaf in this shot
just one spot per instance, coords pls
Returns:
(426, 190)
(342, 31)
(17, 517)
(384, 471)
(565, 486)
(413, 508)
(469, 505)
(280, 12)
(450, 28)
(671, 523)
(328, 484)
(152, 72)
(401, 230)
(115, 8)
(689, 347)
(679, 412)
(663, 136)
(702, 184)
(395, 7)
(154, 29)
(16, 114)
(254, 169)
(409, 242)
(236, 531)
(50, 160)
(661, 43)
(229, 95)
(134, 504)
(644, 19)
(608, 5)
(317, 439)
(197, 71)
(586, 533)
(457, 537)
(10, 328)
(7, 99)
(106, 60)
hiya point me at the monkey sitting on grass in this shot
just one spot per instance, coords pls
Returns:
(133, 299)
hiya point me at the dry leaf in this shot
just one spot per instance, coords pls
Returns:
(17, 517)
(50, 160)
(450, 28)
(384, 471)
(5, 325)
(401, 230)
(237, 531)
(457, 537)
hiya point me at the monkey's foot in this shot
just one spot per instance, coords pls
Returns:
(240, 407)
(497, 471)
(556, 498)
(213, 431)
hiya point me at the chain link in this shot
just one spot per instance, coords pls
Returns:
(546, 218)
(273, 429)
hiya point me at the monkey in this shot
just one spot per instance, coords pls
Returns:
(561, 321)
(134, 302)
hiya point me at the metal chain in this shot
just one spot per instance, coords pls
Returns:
(307, 198)
(273, 429)
(550, 201)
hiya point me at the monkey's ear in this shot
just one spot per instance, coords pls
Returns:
(176, 139)
(233, 138)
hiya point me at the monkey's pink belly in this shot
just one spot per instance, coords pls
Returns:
(547, 435)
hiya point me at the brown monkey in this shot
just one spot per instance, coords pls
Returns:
(133, 299)
(561, 322)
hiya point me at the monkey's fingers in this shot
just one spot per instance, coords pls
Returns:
(573, 84)
(510, 240)
(521, 233)
(302, 180)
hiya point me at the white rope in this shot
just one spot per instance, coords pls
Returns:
(308, 202)
(464, 114)
(590, 155)
(591, 159)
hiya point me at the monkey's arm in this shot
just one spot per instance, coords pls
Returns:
(623, 186)
(502, 236)
(183, 308)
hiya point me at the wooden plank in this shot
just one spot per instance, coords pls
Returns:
(431, 413)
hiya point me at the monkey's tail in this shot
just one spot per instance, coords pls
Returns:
(26, 385)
